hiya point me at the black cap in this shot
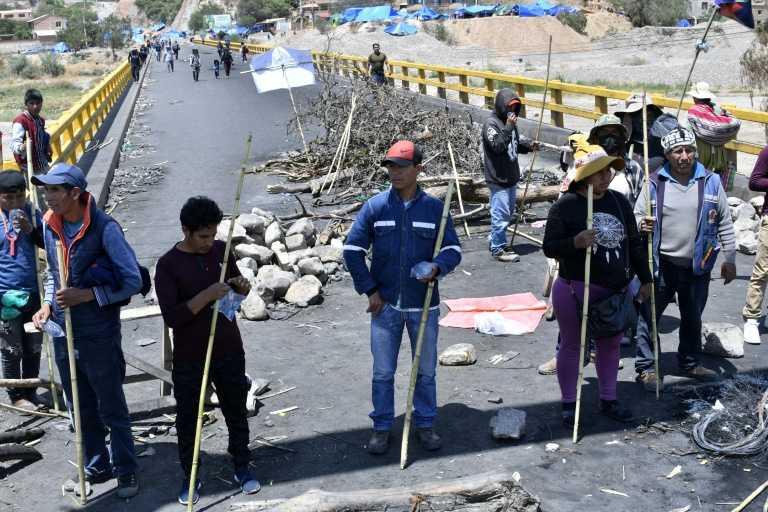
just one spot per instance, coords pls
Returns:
(12, 181)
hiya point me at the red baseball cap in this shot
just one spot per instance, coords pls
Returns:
(403, 153)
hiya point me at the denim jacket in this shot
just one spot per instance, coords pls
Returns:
(399, 236)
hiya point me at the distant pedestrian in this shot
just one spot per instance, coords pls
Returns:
(227, 59)
(194, 62)
(244, 52)
(29, 128)
(143, 53)
(135, 60)
(169, 60)
(158, 49)
(176, 49)
(220, 48)
(216, 68)
(377, 65)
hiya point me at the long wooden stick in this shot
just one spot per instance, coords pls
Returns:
(458, 189)
(298, 120)
(212, 335)
(584, 318)
(699, 45)
(422, 329)
(40, 288)
(343, 142)
(535, 151)
(72, 375)
(344, 146)
(749, 499)
(649, 213)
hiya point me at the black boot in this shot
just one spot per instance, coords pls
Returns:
(568, 414)
(611, 409)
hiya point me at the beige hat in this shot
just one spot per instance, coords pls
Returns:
(634, 103)
(591, 159)
(701, 91)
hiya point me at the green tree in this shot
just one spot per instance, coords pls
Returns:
(653, 12)
(197, 19)
(159, 10)
(253, 11)
(113, 32)
(19, 29)
(82, 26)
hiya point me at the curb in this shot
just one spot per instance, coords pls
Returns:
(102, 169)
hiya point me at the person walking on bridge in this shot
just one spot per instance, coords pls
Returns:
(244, 52)
(194, 62)
(134, 58)
(176, 49)
(169, 60)
(502, 144)
(753, 309)
(29, 128)
(227, 60)
(377, 65)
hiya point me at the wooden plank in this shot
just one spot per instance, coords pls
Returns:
(166, 359)
(149, 368)
(151, 407)
(140, 312)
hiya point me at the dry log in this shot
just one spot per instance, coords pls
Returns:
(21, 436)
(24, 383)
(477, 211)
(18, 452)
(478, 493)
(479, 193)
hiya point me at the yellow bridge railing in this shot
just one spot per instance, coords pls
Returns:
(470, 82)
(79, 124)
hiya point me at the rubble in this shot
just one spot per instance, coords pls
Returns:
(304, 292)
(723, 339)
(460, 354)
(508, 424)
(746, 222)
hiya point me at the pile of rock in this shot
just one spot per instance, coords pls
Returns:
(746, 222)
(289, 265)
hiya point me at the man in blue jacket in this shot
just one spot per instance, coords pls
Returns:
(691, 225)
(102, 272)
(400, 226)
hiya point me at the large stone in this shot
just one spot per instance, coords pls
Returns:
(746, 242)
(304, 227)
(259, 253)
(337, 242)
(254, 307)
(744, 211)
(461, 354)
(746, 224)
(304, 292)
(253, 224)
(313, 267)
(278, 247)
(238, 235)
(508, 424)
(285, 261)
(330, 268)
(723, 339)
(295, 242)
(272, 283)
(269, 217)
(248, 263)
(734, 201)
(273, 233)
(757, 203)
(329, 253)
(246, 272)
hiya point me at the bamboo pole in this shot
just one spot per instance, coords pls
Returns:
(295, 111)
(749, 499)
(422, 329)
(649, 213)
(699, 47)
(535, 150)
(212, 335)
(63, 267)
(458, 189)
(343, 142)
(40, 288)
(584, 318)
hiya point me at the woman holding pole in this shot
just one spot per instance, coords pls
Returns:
(618, 253)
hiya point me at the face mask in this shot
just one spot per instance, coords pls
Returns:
(610, 144)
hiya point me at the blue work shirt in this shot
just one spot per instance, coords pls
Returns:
(17, 272)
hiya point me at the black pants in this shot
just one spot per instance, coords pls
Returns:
(228, 375)
(135, 73)
(227, 67)
(20, 351)
(196, 74)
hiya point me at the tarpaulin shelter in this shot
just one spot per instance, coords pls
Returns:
(401, 29)
(351, 13)
(158, 27)
(337, 19)
(379, 13)
(683, 24)
(530, 11)
(425, 14)
(475, 11)
(60, 48)
(506, 10)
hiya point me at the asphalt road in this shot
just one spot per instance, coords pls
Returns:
(200, 129)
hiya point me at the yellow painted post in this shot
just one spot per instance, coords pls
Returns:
(557, 117)
(601, 104)
(490, 86)
(441, 79)
(521, 93)
(405, 83)
(464, 95)
(422, 86)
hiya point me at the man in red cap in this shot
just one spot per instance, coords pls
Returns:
(400, 226)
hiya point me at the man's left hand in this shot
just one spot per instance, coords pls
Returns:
(643, 293)
(21, 223)
(432, 276)
(70, 297)
(728, 272)
(535, 145)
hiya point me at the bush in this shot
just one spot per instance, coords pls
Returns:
(577, 21)
(31, 72)
(323, 26)
(653, 12)
(51, 64)
(17, 64)
(439, 32)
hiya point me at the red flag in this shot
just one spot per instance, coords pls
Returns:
(739, 10)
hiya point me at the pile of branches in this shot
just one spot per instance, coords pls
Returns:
(737, 425)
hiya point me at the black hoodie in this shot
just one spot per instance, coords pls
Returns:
(502, 144)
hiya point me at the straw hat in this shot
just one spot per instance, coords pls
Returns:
(607, 120)
(634, 103)
(701, 91)
(592, 159)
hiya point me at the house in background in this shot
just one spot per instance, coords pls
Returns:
(16, 15)
(46, 28)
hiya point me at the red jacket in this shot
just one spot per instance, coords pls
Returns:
(41, 147)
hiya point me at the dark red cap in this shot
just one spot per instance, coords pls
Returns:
(403, 153)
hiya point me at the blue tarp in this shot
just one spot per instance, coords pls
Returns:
(173, 35)
(683, 24)
(380, 13)
(425, 14)
(158, 27)
(475, 11)
(60, 48)
(401, 29)
(351, 13)
(528, 11)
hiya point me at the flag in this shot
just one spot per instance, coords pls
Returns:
(739, 10)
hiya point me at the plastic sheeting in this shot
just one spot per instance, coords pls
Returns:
(425, 14)
(60, 48)
(280, 68)
(379, 13)
(524, 309)
(401, 29)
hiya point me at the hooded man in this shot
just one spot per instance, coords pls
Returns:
(501, 145)
(691, 225)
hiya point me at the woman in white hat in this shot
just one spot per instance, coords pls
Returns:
(618, 254)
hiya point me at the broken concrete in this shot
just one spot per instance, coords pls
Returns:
(723, 339)
(508, 424)
(461, 354)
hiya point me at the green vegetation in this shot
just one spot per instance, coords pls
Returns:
(197, 19)
(57, 98)
(577, 21)
(19, 29)
(653, 12)
(159, 10)
(253, 11)
(51, 64)
(440, 32)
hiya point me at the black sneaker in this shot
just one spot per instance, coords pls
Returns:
(428, 439)
(568, 414)
(611, 409)
(378, 444)
(127, 485)
(184, 492)
(247, 482)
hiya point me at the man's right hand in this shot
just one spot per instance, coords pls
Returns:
(511, 119)
(42, 316)
(584, 239)
(648, 224)
(375, 304)
(217, 291)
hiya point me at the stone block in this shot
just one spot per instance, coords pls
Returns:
(238, 236)
(253, 224)
(295, 242)
(329, 253)
(254, 307)
(304, 227)
(272, 283)
(273, 233)
(508, 424)
(723, 339)
(259, 253)
(461, 354)
(305, 292)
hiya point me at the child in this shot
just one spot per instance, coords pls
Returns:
(187, 285)
(29, 128)
(216, 68)
(401, 225)
(194, 62)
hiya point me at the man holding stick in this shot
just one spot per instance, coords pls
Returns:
(19, 351)
(401, 225)
(102, 274)
(187, 286)
(692, 224)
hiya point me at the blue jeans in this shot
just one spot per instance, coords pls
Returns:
(379, 78)
(503, 201)
(692, 291)
(386, 337)
(100, 374)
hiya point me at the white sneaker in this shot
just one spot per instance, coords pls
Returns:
(507, 257)
(752, 332)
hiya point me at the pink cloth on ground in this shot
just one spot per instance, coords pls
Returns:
(523, 308)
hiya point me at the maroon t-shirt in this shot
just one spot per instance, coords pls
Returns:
(178, 278)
